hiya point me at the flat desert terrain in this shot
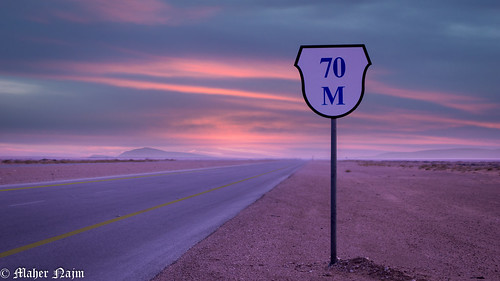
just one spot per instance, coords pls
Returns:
(397, 220)
(40, 171)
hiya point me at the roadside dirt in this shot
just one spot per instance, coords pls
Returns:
(395, 222)
(24, 173)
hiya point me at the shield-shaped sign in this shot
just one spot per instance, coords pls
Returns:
(333, 77)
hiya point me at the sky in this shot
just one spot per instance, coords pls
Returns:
(87, 77)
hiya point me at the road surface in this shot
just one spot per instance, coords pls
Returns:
(122, 228)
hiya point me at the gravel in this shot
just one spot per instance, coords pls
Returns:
(394, 223)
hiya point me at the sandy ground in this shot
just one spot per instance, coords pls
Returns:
(23, 173)
(396, 221)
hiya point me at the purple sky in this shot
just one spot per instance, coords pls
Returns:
(217, 77)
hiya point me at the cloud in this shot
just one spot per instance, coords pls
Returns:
(144, 85)
(219, 74)
(17, 88)
(473, 31)
(140, 12)
(159, 66)
(128, 11)
(468, 103)
(414, 121)
(230, 68)
(389, 141)
(157, 72)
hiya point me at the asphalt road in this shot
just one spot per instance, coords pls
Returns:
(122, 228)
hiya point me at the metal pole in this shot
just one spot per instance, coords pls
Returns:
(333, 193)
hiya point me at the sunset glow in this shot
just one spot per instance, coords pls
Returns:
(101, 77)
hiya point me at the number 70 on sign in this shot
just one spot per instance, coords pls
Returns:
(344, 73)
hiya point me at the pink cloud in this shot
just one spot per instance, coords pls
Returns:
(235, 68)
(168, 67)
(275, 106)
(131, 11)
(221, 133)
(183, 67)
(468, 103)
(405, 142)
(143, 85)
(407, 128)
(159, 66)
(404, 130)
(144, 12)
(417, 121)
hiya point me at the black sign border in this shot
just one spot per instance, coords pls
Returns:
(332, 46)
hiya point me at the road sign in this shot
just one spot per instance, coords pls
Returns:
(333, 77)
(333, 83)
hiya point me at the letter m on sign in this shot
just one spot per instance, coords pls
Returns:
(339, 92)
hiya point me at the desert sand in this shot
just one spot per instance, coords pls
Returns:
(25, 173)
(396, 221)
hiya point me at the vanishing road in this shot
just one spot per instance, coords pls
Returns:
(122, 228)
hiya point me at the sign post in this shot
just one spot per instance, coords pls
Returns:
(333, 84)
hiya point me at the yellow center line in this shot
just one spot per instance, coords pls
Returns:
(65, 235)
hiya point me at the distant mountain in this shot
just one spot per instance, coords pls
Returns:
(153, 153)
(100, 156)
(444, 154)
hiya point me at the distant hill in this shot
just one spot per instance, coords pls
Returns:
(101, 156)
(444, 154)
(153, 153)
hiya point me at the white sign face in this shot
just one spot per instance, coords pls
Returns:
(333, 77)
